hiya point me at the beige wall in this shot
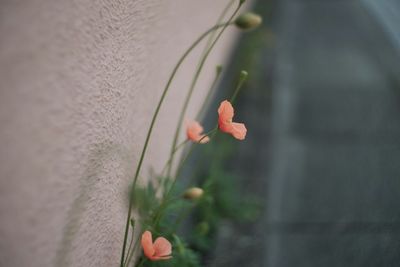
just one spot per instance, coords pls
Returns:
(79, 82)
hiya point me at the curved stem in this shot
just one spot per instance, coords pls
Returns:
(218, 73)
(242, 79)
(141, 262)
(130, 255)
(219, 20)
(200, 114)
(167, 164)
(194, 81)
(219, 69)
(211, 133)
(129, 249)
(153, 120)
(175, 150)
(165, 199)
(181, 163)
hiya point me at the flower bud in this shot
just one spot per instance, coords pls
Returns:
(248, 21)
(193, 193)
(243, 75)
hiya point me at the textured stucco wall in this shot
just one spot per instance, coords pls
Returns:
(79, 81)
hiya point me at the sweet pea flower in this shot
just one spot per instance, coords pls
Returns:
(194, 133)
(225, 124)
(161, 249)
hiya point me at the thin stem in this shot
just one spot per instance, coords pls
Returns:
(219, 68)
(211, 134)
(142, 261)
(242, 79)
(209, 93)
(181, 163)
(215, 81)
(218, 73)
(169, 160)
(219, 21)
(199, 115)
(165, 199)
(167, 194)
(153, 120)
(130, 255)
(194, 81)
(130, 252)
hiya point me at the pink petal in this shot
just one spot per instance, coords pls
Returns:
(224, 126)
(193, 133)
(225, 111)
(238, 130)
(147, 244)
(162, 247)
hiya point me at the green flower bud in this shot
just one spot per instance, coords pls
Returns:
(243, 75)
(248, 21)
(193, 193)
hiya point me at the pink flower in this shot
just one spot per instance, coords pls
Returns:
(225, 124)
(161, 249)
(194, 132)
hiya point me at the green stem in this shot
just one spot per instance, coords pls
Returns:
(130, 255)
(165, 199)
(141, 262)
(200, 114)
(242, 79)
(219, 21)
(167, 163)
(169, 160)
(211, 134)
(209, 43)
(219, 69)
(194, 81)
(224, 25)
(209, 94)
(169, 191)
(218, 73)
(181, 163)
(129, 249)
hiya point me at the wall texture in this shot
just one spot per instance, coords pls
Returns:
(79, 82)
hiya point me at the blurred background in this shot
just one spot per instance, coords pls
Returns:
(317, 180)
